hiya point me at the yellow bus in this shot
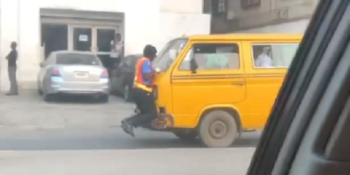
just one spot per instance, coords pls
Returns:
(217, 86)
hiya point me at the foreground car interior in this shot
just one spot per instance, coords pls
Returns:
(307, 132)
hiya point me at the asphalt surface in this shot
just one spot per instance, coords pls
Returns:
(101, 139)
(29, 111)
(131, 162)
(78, 123)
(81, 136)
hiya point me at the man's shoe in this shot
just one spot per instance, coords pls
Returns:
(124, 126)
(128, 128)
(131, 130)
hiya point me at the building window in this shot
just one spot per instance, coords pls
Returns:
(246, 4)
(207, 6)
(212, 57)
(221, 6)
(215, 7)
(273, 55)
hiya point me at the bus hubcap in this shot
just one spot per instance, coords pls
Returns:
(218, 129)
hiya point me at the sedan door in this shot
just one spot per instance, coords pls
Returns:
(118, 76)
(43, 69)
(129, 72)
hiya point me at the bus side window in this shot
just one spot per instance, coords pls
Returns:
(212, 57)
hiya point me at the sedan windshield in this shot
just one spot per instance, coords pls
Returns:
(77, 59)
(169, 53)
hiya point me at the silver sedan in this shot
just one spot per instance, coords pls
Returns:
(69, 72)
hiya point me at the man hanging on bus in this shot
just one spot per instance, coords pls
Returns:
(143, 87)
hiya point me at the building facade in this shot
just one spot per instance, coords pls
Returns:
(40, 26)
(264, 16)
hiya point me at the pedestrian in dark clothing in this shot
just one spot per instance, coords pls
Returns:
(143, 95)
(12, 69)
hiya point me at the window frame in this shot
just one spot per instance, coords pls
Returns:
(271, 43)
(240, 65)
(247, 5)
(99, 63)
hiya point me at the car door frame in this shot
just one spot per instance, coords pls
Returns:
(264, 79)
(303, 133)
(43, 70)
(48, 67)
(128, 72)
(119, 75)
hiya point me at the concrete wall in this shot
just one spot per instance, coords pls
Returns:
(174, 25)
(145, 22)
(181, 6)
(289, 27)
(281, 16)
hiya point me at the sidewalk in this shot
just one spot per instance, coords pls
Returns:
(28, 110)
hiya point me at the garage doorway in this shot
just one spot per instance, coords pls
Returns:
(90, 31)
(54, 37)
(96, 39)
(104, 36)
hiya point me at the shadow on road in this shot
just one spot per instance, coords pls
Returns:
(65, 99)
(177, 143)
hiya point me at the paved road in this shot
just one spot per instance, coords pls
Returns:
(131, 162)
(114, 138)
(78, 136)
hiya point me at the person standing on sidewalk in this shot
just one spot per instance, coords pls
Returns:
(12, 69)
(117, 49)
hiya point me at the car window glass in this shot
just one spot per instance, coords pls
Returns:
(133, 61)
(123, 62)
(76, 59)
(273, 55)
(212, 57)
(169, 54)
(128, 61)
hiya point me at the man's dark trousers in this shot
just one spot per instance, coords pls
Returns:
(146, 104)
(13, 79)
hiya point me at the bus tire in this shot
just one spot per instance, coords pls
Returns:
(218, 129)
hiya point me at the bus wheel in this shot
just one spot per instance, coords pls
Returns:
(218, 129)
(187, 135)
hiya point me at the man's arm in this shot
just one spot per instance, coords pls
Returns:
(112, 45)
(12, 56)
(147, 70)
(9, 55)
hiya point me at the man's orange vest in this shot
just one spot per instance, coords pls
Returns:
(138, 79)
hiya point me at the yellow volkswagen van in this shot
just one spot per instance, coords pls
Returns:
(217, 86)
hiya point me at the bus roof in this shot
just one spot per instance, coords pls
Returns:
(246, 36)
